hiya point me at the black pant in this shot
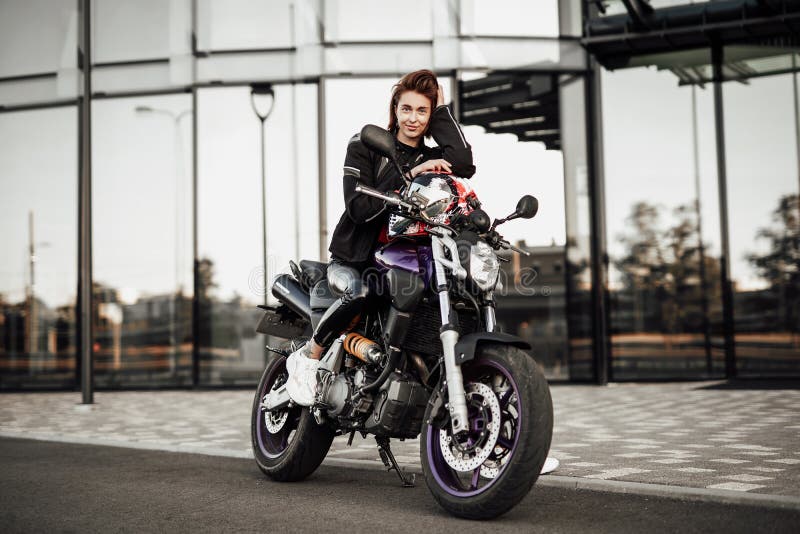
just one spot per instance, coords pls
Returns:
(344, 279)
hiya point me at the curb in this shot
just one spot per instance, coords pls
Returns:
(618, 486)
(553, 481)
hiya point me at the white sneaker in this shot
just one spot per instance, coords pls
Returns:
(550, 465)
(302, 383)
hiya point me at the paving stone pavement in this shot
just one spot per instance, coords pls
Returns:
(694, 435)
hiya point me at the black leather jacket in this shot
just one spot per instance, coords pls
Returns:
(356, 235)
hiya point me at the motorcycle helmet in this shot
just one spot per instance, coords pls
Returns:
(439, 196)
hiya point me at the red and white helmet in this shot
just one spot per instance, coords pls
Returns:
(440, 196)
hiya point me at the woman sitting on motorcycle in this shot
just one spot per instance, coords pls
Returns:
(416, 110)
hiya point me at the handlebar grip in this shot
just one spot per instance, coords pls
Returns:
(383, 196)
(518, 250)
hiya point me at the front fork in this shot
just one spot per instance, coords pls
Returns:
(456, 402)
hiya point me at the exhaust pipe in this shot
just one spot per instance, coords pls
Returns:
(289, 291)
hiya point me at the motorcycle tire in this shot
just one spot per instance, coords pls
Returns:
(524, 430)
(296, 445)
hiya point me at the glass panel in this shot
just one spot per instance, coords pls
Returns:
(366, 20)
(662, 227)
(147, 29)
(510, 17)
(246, 24)
(38, 264)
(34, 91)
(532, 304)
(37, 36)
(130, 78)
(762, 170)
(572, 110)
(372, 58)
(229, 196)
(142, 241)
(247, 67)
(500, 53)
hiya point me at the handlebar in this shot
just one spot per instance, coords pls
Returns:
(506, 244)
(389, 199)
(413, 212)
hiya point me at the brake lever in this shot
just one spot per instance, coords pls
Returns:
(518, 250)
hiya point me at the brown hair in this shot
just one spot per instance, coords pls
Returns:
(423, 82)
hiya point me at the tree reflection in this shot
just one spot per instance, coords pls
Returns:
(667, 292)
(665, 271)
(779, 267)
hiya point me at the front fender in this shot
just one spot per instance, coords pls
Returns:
(467, 345)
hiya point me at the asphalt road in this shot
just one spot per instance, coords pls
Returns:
(58, 487)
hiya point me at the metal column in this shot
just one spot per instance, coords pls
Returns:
(727, 288)
(322, 183)
(598, 256)
(195, 252)
(796, 116)
(195, 249)
(84, 311)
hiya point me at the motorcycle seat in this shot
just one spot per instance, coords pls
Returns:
(313, 271)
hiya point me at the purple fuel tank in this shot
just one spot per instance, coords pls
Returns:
(407, 255)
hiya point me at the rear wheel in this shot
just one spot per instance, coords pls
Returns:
(288, 444)
(489, 470)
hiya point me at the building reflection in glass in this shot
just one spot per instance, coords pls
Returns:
(38, 214)
(762, 167)
(230, 276)
(664, 273)
(142, 246)
(532, 304)
(767, 318)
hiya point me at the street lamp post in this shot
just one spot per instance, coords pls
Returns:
(262, 99)
(176, 118)
(32, 319)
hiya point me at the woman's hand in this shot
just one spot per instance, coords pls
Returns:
(432, 165)
(440, 97)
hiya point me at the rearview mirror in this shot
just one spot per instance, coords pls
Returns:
(527, 207)
(379, 140)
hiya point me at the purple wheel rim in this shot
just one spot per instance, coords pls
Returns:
(444, 475)
(273, 445)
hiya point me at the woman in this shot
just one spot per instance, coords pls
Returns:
(416, 111)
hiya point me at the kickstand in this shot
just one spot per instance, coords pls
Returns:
(388, 460)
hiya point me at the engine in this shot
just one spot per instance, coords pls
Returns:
(399, 408)
(395, 410)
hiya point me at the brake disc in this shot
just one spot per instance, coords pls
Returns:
(461, 460)
(274, 421)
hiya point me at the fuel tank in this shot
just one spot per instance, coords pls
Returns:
(406, 255)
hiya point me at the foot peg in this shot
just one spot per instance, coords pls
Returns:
(388, 460)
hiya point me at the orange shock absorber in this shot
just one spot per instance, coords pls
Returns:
(362, 348)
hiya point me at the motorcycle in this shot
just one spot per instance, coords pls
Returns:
(424, 357)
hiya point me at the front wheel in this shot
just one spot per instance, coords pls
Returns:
(489, 470)
(288, 444)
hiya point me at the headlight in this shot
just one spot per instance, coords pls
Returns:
(483, 266)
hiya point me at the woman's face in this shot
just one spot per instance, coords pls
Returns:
(413, 113)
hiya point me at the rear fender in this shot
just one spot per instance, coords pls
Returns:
(281, 321)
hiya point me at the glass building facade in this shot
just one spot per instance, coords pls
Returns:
(667, 245)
